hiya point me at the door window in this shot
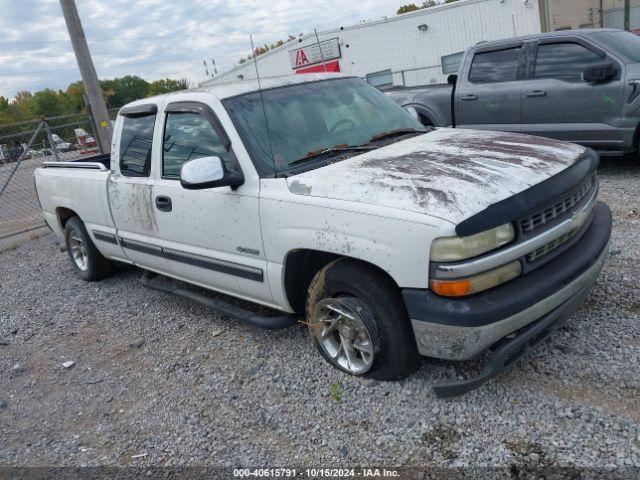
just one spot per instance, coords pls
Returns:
(188, 135)
(495, 66)
(564, 61)
(135, 146)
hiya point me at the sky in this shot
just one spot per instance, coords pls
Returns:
(156, 38)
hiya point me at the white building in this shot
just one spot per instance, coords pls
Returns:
(414, 48)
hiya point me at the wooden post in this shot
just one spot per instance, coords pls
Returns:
(89, 76)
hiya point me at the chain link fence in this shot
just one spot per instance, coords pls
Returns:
(23, 148)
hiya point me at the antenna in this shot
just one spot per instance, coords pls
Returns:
(264, 110)
(324, 64)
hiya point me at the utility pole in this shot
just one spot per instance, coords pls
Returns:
(89, 77)
(627, 15)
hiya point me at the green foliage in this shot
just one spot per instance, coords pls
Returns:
(335, 390)
(123, 90)
(49, 103)
(412, 7)
(166, 85)
(259, 50)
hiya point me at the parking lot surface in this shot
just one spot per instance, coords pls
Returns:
(159, 381)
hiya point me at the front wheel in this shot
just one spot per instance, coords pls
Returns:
(88, 263)
(358, 322)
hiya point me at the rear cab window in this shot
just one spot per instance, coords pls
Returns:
(136, 139)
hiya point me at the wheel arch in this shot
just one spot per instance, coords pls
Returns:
(426, 116)
(64, 214)
(302, 265)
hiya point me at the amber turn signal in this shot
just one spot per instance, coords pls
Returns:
(477, 283)
(455, 288)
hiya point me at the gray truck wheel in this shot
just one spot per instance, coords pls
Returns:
(358, 322)
(87, 262)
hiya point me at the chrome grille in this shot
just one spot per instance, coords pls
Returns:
(552, 245)
(556, 210)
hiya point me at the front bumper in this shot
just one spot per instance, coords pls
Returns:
(459, 329)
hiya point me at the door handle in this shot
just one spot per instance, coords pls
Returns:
(536, 93)
(469, 98)
(163, 203)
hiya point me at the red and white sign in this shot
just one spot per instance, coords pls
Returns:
(332, 66)
(311, 54)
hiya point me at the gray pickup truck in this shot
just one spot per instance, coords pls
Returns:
(581, 86)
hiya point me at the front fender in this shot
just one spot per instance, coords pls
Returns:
(398, 246)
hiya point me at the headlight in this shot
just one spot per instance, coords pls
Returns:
(451, 249)
(477, 283)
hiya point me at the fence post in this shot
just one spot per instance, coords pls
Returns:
(51, 142)
(24, 153)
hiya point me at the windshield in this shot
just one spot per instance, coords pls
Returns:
(307, 119)
(623, 43)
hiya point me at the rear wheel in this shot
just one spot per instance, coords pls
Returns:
(88, 263)
(358, 322)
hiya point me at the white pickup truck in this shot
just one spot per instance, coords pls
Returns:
(319, 196)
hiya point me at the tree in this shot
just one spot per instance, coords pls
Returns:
(411, 7)
(122, 90)
(47, 103)
(259, 50)
(167, 85)
(74, 97)
(22, 106)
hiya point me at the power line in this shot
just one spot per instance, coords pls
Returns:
(199, 59)
(243, 35)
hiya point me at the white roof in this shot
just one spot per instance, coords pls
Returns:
(238, 87)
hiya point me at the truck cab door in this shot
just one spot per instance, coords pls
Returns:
(488, 96)
(559, 103)
(130, 187)
(210, 236)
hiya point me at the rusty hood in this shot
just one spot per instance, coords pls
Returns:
(446, 173)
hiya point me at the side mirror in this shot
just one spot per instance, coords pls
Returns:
(208, 172)
(600, 72)
(452, 79)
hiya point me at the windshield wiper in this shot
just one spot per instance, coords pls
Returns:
(395, 133)
(336, 149)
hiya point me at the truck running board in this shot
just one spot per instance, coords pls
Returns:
(269, 323)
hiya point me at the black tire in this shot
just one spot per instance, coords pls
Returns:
(395, 351)
(97, 266)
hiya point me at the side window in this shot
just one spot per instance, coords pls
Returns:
(135, 146)
(188, 135)
(564, 61)
(496, 66)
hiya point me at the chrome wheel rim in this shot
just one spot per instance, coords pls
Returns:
(342, 334)
(78, 251)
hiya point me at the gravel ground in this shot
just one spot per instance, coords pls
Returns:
(159, 381)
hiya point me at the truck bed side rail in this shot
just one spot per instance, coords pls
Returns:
(85, 165)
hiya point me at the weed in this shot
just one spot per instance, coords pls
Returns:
(335, 390)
